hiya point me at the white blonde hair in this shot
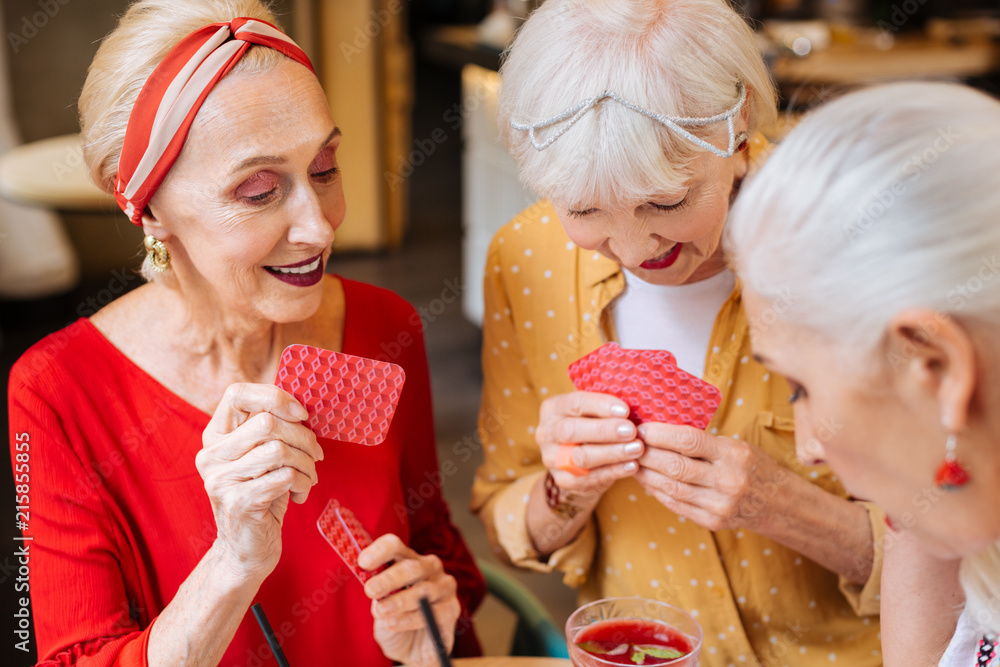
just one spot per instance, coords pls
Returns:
(883, 200)
(674, 57)
(126, 58)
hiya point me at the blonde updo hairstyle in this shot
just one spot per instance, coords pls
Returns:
(676, 57)
(126, 58)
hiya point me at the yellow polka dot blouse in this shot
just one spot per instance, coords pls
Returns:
(759, 602)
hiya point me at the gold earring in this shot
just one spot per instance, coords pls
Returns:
(158, 254)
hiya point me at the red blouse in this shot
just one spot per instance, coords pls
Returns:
(120, 517)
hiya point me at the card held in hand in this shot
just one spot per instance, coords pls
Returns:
(348, 398)
(347, 536)
(650, 382)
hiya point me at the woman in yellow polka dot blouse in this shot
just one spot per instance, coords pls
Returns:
(631, 119)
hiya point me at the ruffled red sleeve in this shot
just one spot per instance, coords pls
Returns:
(80, 608)
(125, 651)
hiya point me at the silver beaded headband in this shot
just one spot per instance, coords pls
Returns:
(675, 123)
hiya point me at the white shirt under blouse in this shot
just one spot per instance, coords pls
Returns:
(677, 318)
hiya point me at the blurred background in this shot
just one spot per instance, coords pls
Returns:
(413, 85)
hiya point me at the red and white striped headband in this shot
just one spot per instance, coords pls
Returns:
(173, 94)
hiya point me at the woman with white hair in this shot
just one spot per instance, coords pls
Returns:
(886, 203)
(636, 120)
(153, 451)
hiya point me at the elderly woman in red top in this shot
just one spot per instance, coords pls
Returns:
(162, 457)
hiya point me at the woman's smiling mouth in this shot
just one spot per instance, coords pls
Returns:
(664, 260)
(301, 274)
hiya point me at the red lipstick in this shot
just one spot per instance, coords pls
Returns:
(293, 274)
(663, 261)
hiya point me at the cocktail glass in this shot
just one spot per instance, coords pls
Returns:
(639, 609)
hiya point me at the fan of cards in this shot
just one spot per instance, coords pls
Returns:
(349, 398)
(650, 382)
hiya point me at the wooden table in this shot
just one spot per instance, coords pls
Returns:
(842, 64)
(910, 57)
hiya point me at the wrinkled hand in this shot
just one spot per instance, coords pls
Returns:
(719, 483)
(255, 451)
(606, 439)
(400, 628)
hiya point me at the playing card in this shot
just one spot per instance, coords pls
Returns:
(347, 537)
(348, 398)
(650, 382)
(613, 362)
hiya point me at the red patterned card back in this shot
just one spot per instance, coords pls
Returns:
(650, 382)
(347, 536)
(348, 398)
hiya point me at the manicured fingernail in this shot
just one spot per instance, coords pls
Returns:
(619, 410)
(300, 412)
(631, 466)
(633, 448)
(625, 430)
(642, 431)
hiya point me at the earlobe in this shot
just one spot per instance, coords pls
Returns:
(742, 166)
(936, 353)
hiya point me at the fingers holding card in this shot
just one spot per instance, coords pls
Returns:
(650, 382)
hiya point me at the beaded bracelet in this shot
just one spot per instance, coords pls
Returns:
(561, 505)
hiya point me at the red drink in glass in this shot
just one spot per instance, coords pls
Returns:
(634, 641)
(632, 631)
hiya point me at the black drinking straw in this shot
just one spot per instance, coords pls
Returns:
(432, 625)
(272, 641)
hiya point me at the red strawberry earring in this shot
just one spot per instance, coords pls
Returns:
(951, 475)
(742, 141)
